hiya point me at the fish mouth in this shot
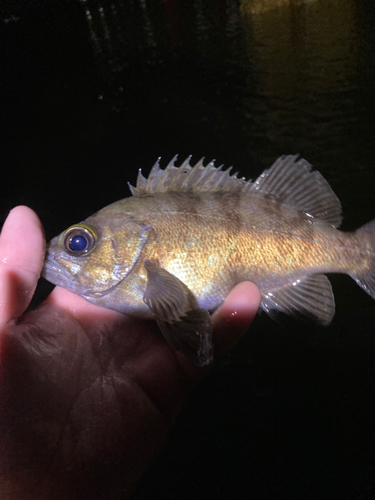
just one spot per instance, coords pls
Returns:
(52, 271)
(58, 275)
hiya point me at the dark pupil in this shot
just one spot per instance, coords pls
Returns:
(78, 243)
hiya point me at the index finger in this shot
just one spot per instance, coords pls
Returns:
(233, 318)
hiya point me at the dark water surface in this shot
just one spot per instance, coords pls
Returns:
(94, 90)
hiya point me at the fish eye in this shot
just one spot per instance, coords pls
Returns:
(79, 240)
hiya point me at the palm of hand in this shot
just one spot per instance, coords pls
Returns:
(87, 393)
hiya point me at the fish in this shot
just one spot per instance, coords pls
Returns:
(173, 250)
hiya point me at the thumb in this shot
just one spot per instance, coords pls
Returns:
(22, 248)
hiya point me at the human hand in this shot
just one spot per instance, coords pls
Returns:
(86, 394)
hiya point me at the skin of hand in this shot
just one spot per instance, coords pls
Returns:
(86, 394)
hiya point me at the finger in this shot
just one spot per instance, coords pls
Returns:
(235, 316)
(87, 314)
(22, 248)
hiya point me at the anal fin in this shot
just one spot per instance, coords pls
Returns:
(311, 297)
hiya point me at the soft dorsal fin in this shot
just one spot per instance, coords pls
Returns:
(196, 178)
(290, 181)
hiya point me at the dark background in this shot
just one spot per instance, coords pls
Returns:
(91, 91)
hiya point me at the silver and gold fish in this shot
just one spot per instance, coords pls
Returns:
(174, 250)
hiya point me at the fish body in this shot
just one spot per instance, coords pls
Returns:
(174, 250)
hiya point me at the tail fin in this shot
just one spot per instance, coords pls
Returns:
(367, 279)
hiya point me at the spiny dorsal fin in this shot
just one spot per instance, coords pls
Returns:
(196, 178)
(290, 181)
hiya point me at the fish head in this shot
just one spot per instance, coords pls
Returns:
(94, 256)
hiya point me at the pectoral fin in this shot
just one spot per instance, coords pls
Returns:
(185, 326)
